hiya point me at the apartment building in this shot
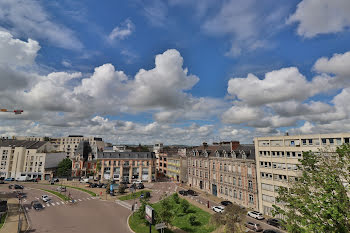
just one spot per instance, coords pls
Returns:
(277, 159)
(174, 167)
(129, 166)
(20, 158)
(70, 144)
(84, 162)
(226, 170)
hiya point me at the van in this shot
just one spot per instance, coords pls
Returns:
(22, 178)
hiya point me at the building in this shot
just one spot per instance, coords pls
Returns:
(51, 164)
(30, 138)
(226, 170)
(121, 148)
(84, 162)
(20, 158)
(129, 166)
(174, 167)
(70, 144)
(277, 159)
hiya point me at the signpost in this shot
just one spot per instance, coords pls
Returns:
(149, 216)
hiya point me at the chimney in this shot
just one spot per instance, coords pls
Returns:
(234, 145)
(205, 145)
(286, 134)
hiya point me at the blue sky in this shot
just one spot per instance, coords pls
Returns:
(176, 71)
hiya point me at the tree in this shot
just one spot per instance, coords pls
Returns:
(318, 201)
(121, 188)
(231, 218)
(142, 210)
(64, 168)
(193, 220)
(164, 214)
(184, 206)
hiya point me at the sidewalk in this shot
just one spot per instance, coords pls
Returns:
(11, 223)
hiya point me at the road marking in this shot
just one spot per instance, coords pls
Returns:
(87, 198)
(53, 204)
(37, 198)
(57, 203)
(47, 205)
(62, 202)
(27, 208)
(79, 200)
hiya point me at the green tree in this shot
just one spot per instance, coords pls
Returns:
(318, 201)
(142, 210)
(232, 218)
(121, 188)
(64, 168)
(165, 214)
(184, 206)
(193, 220)
(98, 166)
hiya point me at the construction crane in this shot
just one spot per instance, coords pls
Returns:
(17, 111)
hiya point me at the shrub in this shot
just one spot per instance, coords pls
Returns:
(193, 220)
(176, 198)
(185, 205)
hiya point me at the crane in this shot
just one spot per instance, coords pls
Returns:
(16, 111)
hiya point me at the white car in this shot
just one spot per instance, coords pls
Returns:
(45, 198)
(218, 209)
(256, 215)
(84, 180)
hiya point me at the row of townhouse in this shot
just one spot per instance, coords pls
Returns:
(250, 175)
(226, 170)
(28, 159)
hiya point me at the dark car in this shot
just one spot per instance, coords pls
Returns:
(275, 222)
(140, 186)
(11, 186)
(191, 192)
(93, 185)
(124, 182)
(270, 231)
(17, 186)
(133, 186)
(226, 203)
(183, 192)
(37, 205)
(20, 195)
(145, 195)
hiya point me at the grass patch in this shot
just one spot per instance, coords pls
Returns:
(2, 220)
(133, 195)
(60, 195)
(81, 189)
(181, 220)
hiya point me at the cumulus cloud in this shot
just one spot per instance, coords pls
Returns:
(316, 17)
(338, 64)
(29, 19)
(123, 31)
(241, 114)
(165, 85)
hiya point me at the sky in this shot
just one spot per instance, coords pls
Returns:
(174, 71)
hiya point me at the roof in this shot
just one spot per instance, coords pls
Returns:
(225, 151)
(22, 143)
(53, 159)
(126, 155)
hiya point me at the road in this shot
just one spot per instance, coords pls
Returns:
(88, 215)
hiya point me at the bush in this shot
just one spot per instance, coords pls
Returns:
(185, 206)
(176, 198)
(193, 220)
(121, 188)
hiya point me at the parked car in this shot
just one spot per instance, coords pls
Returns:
(226, 203)
(191, 192)
(133, 186)
(101, 185)
(11, 186)
(2, 179)
(62, 189)
(93, 185)
(140, 186)
(17, 186)
(218, 209)
(253, 226)
(183, 192)
(270, 231)
(45, 198)
(255, 214)
(10, 179)
(84, 180)
(137, 182)
(275, 222)
(37, 205)
(124, 182)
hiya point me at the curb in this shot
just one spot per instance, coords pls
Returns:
(49, 192)
(127, 221)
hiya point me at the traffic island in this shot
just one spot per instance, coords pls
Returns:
(185, 219)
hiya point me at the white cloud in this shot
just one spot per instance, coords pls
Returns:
(164, 85)
(29, 19)
(17, 52)
(241, 114)
(321, 17)
(338, 64)
(277, 86)
(123, 31)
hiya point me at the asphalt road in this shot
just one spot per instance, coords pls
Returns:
(88, 215)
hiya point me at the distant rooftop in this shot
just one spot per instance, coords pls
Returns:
(21, 143)
(126, 155)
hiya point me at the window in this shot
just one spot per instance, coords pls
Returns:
(239, 182)
(250, 184)
(303, 141)
(220, 178)
(268, 198)
(234, 181)
(234, 193)
(251, 198)
(220, 166)
(226, 192)
(267, 187)
(213, 165)
(240, 195)
(310, 142)
(324, 141)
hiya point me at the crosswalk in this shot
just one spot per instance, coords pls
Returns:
(124, 204)
(61, 203)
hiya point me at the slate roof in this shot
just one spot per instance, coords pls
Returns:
(21, 143)
(222, 150)
(53, 159)
(126, 155)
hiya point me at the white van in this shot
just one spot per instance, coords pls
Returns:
(22, 178)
